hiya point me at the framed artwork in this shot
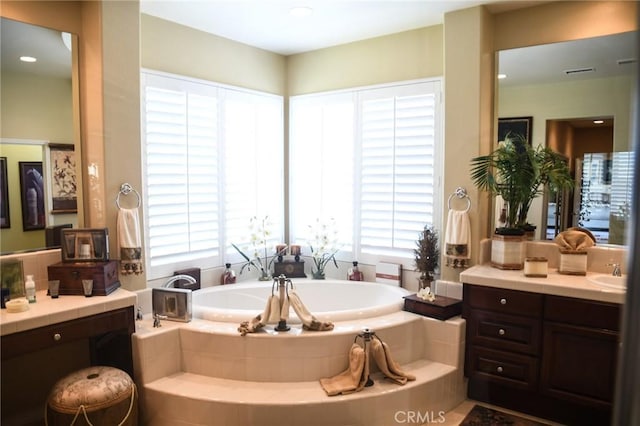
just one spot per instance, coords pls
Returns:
(85, 245)
(32, 195)
(518, 125)
(5, 220)
(63, 178)
(11, 274)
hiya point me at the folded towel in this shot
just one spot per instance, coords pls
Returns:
(458, 239)
(353, 378)
(258, 321)
(386, 364)
(309, 321)
(129, 241)
(575, 240)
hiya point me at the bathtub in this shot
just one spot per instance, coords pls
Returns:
(327, 300)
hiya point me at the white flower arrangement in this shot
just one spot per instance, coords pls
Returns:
(323, 242)
(258, 244)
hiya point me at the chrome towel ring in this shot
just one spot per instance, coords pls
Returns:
(460, 193)
(126, 189)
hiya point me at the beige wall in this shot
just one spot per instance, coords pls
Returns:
(404, 56)
(174, 48)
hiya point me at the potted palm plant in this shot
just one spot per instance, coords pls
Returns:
(517, 172)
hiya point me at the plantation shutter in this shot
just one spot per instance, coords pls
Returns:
(398, 185)
(181, 163)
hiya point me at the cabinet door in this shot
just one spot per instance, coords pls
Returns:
(579, 363)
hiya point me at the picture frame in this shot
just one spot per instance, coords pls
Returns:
(5, 217)
(32, 195)
(85, 245)
(63, 179)
(12, 276)
(519, 125)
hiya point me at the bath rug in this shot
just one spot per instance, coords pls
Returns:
(129, 241)
(483, 416)
(386, 364)
(457, 239)
(353, 378)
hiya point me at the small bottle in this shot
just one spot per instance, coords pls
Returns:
(228, 276)
(354, 273)
(30, 289)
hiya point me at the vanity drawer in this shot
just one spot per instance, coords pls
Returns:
(587, 313)
(506, 332)
(503, 300)
(514, 370)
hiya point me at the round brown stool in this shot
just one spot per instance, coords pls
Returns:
(93, 396)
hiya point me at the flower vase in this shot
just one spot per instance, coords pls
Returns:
(265, 276)
(426, 281)
(317, 275)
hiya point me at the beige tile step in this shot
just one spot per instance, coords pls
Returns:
(192, 399)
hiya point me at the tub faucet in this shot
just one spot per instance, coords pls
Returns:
(171, 281)
(616, 270)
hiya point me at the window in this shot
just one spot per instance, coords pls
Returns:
(213, 159)
(369, 159)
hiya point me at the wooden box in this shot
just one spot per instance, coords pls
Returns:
(441, 308)
(103, 274)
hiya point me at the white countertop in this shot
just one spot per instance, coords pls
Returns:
(47, 311)
(556, 284)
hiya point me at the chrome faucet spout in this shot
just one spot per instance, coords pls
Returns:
(616, 272)
(171, 281)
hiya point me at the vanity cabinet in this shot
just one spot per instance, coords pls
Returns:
(549, 356)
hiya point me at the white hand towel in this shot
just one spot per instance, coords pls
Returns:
(129, 241)
(458, 239)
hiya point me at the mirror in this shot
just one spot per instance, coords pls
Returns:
(38, 128)
(566, 87)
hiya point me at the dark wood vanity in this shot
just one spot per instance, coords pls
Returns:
(56, 337)
(547, 355)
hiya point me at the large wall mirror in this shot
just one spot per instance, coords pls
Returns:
(40, 155)
(578, 95)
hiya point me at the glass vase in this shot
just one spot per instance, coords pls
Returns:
(265, 276)
(317, 275)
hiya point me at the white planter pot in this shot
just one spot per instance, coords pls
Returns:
(507, 251)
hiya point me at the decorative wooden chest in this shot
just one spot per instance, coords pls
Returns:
(441, 308)
(71, 274)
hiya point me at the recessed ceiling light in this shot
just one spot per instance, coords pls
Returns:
(501, 76)
(27, 59)
(598, 121)
(301, 11)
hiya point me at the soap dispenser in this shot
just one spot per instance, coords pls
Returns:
(30, 289)
(355, 274)
(228, 276)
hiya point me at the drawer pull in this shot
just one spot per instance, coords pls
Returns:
(501, 332)
(503, 301)
(499, 369)
(57, 337)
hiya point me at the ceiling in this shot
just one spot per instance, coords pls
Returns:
(267, 24)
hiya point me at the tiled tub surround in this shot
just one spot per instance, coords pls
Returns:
(205, 373)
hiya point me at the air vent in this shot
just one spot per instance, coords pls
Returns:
(579, 71)
(627, 61)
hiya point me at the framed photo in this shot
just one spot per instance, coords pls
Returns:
(85, 245)
(12, 277)
(518, 125)
(63, 178)
(5, 220)
(32, 195)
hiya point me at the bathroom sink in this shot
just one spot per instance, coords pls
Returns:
(609, 281)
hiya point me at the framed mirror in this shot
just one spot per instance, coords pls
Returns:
(579, 95)
(38, 97)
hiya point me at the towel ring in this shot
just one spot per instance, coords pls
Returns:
(460, 193)
(126, 189)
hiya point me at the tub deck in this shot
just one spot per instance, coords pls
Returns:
(205, 373)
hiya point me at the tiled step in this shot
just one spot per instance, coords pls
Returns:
(192, 399)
